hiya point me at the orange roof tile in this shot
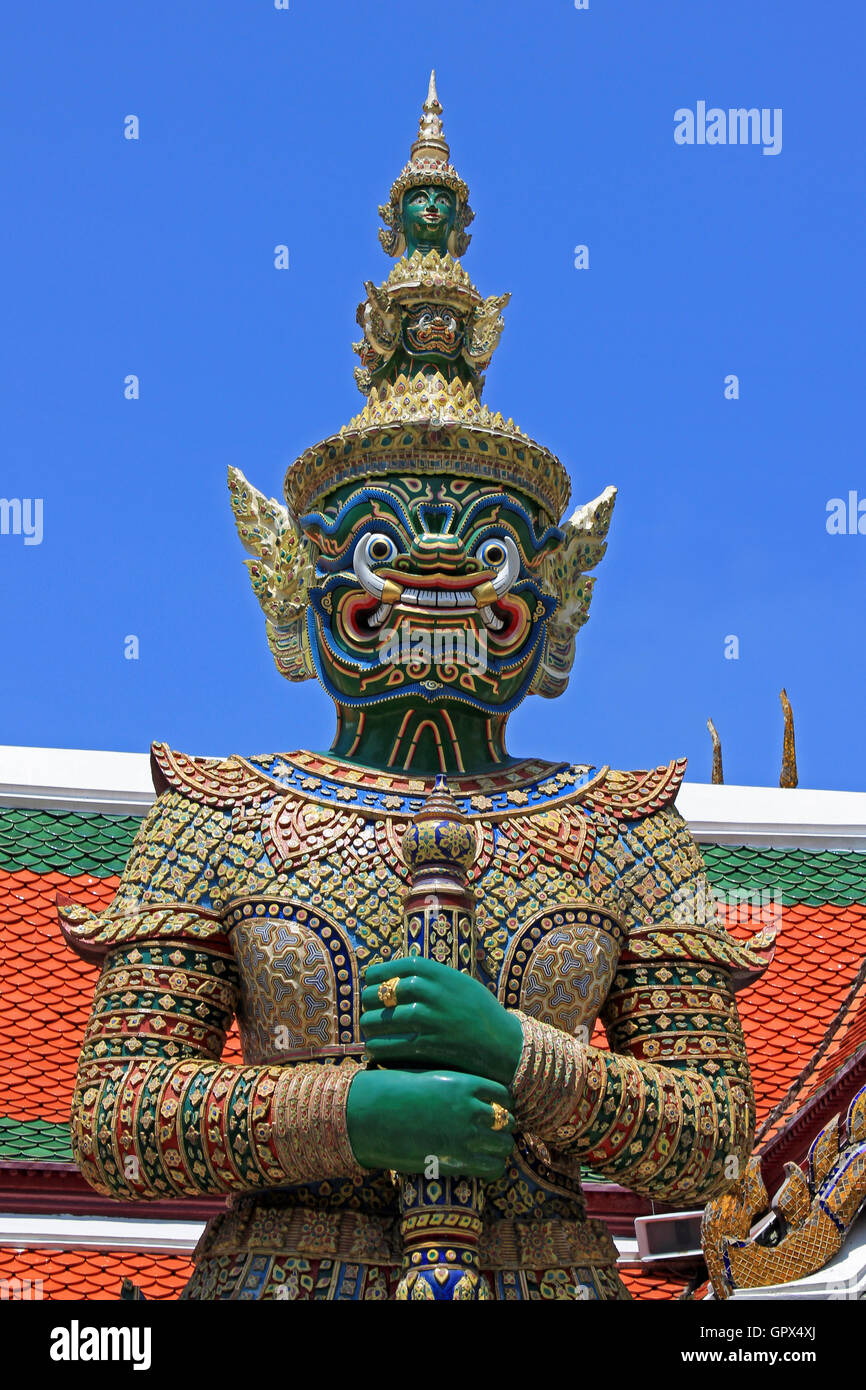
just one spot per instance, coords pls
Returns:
(643, 1283)
(46, 993)
(787, 1011)
(843, 1040)
(90, 1274)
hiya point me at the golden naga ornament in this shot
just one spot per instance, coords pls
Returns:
(812, 1212)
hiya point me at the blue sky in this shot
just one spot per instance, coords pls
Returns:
(260, 127)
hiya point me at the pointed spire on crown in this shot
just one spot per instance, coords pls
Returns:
(431, 140)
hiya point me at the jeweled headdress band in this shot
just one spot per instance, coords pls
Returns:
(451, 432)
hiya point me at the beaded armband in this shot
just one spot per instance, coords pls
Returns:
(665, 1131)
(549, 1079)
(310, 1129)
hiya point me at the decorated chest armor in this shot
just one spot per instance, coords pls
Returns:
(419, 570)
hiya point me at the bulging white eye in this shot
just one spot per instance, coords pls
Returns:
(375, 549)
(378, 548)
(502, 556)
(491, 553)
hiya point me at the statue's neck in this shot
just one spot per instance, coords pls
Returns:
(414, 736)
(425, 247)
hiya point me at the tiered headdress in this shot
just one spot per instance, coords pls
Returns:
(418, 421)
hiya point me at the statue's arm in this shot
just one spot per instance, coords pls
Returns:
(155, 1112)
(678, 1132)
(669, 1110)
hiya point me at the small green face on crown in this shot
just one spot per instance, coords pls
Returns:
(429, 215)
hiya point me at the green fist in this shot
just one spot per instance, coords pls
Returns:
(442, 1018)
(436, 1123)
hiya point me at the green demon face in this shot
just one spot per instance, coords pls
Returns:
(429, 588)
(429, 215)
(432, 332)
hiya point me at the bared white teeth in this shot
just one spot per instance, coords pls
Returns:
(438, 598)
(381, 614)
(432, 598)
(489, 618)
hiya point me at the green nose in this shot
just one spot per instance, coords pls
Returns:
(439, 553)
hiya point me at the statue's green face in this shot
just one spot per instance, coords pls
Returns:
(432, 333)
(429, 215)
(429, 589)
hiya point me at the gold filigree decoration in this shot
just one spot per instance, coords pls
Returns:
(425, 399)
(282, 571)
(425, 424)
(633, 795)
(564, 572)
(298, 829)
(813, 1212)
(220, 782)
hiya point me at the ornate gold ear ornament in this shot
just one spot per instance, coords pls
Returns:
(485, 329)
(814, 1211)
(564, 574)
(282, 571)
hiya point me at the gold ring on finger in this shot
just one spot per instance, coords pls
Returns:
(388, 992)
(500, 1116)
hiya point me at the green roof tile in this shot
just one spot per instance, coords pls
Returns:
(65, 842)
(35, 1139)
(807, 876)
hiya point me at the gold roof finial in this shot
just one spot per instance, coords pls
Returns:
(431, 142)
(788, 776)
(718, 775)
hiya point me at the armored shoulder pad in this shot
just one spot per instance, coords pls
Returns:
(633, 795)
(93, 934)
(221, 782)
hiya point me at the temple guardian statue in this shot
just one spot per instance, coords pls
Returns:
(418, 1092)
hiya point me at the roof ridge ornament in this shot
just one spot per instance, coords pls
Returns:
(718, 776)
(788, 776)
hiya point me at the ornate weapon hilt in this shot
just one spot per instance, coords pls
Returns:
(440, 1216)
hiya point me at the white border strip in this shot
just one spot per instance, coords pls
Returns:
(72, 779)
(776, 817)
(98, 1233)
(68, 779)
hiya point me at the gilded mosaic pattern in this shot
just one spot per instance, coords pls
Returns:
(284, 934)
(812, 1213)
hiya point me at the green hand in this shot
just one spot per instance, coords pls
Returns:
(443, 1018)
(403, 1120)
